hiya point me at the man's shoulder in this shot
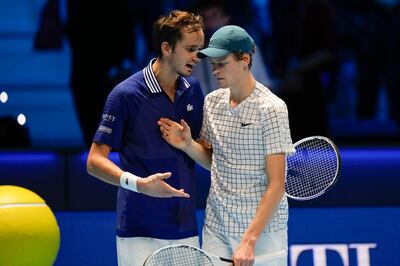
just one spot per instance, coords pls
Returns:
(267, 97)
(131, 85)
(218, 93)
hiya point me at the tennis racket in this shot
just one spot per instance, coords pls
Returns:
(184, 255)
(312, 169)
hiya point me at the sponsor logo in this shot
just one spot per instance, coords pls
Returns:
(105, 129)
(189, 107)
(319, 252)
(246, 124)
(108, 117)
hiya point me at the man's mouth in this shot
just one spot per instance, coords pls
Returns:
(189, 66)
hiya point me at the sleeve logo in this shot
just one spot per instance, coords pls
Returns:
(105, 129)
(108, 117)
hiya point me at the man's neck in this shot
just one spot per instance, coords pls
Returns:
(165, 77)
(243, 90)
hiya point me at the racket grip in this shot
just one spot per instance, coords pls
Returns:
(226, 260)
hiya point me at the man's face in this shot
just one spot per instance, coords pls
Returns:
(227, 70)
(184, 57)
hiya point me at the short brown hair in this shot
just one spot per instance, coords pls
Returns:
(169, 28)
(239, 55)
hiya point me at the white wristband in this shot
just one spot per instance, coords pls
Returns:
(129, 181)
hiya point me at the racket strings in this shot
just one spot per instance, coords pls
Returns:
(311, 169)
(179, 256)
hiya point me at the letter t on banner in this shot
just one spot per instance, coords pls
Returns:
(319, 253)
(363, 252)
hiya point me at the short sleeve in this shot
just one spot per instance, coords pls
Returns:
(276, 132)
(112, 120)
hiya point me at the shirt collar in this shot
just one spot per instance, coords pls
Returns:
(152, 82)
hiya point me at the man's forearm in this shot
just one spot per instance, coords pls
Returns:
(275, 170)
(199, 154)
(265, 210)
(104, 169)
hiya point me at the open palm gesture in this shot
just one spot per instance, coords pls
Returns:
(177, 135)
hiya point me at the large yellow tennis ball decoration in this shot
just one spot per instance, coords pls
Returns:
(29, 233)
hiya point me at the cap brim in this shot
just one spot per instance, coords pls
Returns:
(212, 52)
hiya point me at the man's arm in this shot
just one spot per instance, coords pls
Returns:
(275, 169)
(179, 136)
(99, 165)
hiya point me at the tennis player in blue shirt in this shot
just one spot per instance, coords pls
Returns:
(154, 207)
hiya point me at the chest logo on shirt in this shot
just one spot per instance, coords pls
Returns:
(189, 107)
(246, 124)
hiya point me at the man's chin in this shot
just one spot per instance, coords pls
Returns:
(221, 84)
(185, 73)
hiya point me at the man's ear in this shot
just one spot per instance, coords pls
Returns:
(246, 58)
(166, 48)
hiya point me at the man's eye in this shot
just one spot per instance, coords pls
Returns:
(219, 65)
(192, 49)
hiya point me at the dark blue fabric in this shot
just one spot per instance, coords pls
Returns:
(129, 125)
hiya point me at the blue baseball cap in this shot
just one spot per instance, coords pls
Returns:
(228, 39)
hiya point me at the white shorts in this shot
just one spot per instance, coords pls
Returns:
(273, 246)
(133, 251)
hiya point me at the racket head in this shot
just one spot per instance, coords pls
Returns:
(178, 255)
(313, 169)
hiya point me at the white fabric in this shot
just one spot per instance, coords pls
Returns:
(241, 138)
(129, 181)
(272, 245)
(133, 251)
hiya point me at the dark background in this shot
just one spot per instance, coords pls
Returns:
(335, 63)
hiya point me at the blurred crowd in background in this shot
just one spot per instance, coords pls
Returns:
(335, 63)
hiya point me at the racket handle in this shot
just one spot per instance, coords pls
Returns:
(226, 260)
(272, 256)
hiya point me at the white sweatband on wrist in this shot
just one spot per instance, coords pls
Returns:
(129, 181)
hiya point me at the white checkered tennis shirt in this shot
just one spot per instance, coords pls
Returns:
(241, 137)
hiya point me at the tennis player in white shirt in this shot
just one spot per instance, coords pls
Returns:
(244, 141)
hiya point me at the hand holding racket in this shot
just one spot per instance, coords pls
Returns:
(184, 255)
(312, 169)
